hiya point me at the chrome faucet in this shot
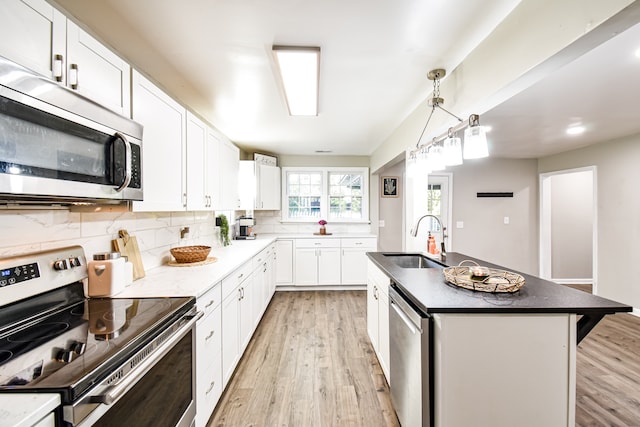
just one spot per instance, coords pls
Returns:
(443, 229)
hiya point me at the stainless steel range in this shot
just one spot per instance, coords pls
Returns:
(113, 361)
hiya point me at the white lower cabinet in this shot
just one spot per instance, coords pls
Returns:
(326, 261)
(284, 262)
(378, 314)
(208, 355)
(354, 259)
(317, 262)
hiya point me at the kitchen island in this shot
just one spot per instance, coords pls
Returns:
(496, 359)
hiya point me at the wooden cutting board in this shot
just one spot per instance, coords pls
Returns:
(127, 245)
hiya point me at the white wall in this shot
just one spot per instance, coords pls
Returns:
(484, 234)
(572, 226)
(34, 230)
(618, 212)
(390, 210)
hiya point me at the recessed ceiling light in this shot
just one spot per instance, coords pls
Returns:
(300, 73)
(575, 130)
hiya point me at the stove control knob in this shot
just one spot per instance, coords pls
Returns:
(74, 262)
(78, 347)
(60, 265)
(64, 356)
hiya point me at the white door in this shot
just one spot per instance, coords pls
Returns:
(96, 72)
(163, 155)
(247, 311)
(33, 34)
(268, 197)
(434, 199)
(212, 172)
(354, 266)
(284, 262)
(568, 228)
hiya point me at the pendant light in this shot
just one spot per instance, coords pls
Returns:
(452, 150)
(475, 139)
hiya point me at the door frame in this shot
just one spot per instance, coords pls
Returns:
(544, 245)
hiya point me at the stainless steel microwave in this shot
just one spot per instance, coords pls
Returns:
(59, 147)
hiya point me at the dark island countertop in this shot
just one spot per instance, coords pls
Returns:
(427, 289)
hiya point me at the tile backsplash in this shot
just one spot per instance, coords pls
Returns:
(26, 231)
(269, 222)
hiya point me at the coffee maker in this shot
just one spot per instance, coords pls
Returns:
(245, 228)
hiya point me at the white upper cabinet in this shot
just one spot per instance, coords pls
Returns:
(197, 133)
(32, 33)
(267, 187)
(163, 147)
(97, 72)
(259, 186)
(36, 35)
(229, 166)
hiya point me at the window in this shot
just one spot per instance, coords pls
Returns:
(434, 204)
(333, 194)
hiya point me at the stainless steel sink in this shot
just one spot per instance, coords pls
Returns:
(412, 261)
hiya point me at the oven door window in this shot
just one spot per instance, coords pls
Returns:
(162, 396)
(35, 143)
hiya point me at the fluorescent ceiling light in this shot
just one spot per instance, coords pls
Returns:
(300, 73)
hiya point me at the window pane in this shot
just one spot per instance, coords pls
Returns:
(434, 199)
(345, 199)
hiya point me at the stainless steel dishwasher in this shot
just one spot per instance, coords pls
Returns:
(411, 369)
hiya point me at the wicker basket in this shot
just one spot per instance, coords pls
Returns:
(188, 254)
(496, 281)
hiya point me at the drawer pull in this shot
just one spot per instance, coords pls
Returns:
(209, 304)
(210, 335)
(317, 243)
(213, 383)
(241, 276)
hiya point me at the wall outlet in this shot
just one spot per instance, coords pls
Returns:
(381, 223)
(459, 224)
(506, 220)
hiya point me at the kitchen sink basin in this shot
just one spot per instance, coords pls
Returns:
(413, 261)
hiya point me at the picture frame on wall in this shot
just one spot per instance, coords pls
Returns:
(390, 186)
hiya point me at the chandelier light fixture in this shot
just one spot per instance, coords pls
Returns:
(447, 149)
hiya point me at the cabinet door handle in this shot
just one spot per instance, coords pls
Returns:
(209, 304)
(239, 294)
(58, 63)
(213, 383)
(184, 200)
(74, 76)
(209, 336)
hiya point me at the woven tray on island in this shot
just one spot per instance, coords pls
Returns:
(483, 279)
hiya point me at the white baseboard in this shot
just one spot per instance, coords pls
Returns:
(573, 281)
(322, 288)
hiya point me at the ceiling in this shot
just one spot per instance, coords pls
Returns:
(599, 90)
(374, 60)
(373, 68)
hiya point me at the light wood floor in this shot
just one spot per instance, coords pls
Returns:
(310, 363)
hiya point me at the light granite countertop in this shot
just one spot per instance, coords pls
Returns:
(26, 409)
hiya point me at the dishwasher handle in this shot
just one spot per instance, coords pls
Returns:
(413, 328)
(404, 310)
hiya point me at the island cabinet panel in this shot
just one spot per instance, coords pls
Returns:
(378, 315)
(506, 370)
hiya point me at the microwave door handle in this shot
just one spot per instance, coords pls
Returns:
(127, 161)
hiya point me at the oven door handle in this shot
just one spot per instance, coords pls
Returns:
(114, 393)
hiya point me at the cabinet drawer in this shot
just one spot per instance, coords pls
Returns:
(318, 243)
(210, 300)
(363, 242)
(232, 281)
(261, 258)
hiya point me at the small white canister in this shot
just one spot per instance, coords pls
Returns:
(106, 274)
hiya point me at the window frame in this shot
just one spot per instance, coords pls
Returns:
(324, 199)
